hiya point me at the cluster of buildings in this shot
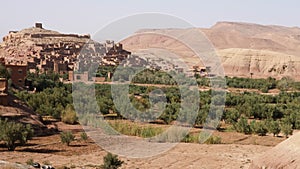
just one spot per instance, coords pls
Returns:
(37, 50)
(49, 51)
(200, 70)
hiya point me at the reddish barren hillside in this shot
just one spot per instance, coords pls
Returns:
(281, 39)
(243, 48)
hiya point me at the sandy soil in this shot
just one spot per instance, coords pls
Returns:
(238, 152)
(86, 155)
(284, 155)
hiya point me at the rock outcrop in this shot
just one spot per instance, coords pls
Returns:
(260, 63)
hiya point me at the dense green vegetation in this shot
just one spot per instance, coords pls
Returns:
(247, 112)
(51, 101)
(272, 113)
(43, 81)
(149, 76)
(264, 85)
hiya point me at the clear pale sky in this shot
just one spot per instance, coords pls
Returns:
(79, 16)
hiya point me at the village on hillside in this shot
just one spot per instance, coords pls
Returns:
(40, 51)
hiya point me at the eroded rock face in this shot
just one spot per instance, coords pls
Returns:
(260, 63)
(284, 155)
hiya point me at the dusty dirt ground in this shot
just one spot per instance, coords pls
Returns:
(284, 155)
(237, 151)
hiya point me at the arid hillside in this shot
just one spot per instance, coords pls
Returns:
(253, 36)
(243, 48)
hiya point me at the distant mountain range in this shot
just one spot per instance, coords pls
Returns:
(244, 48)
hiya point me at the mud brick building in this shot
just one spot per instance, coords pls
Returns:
(18, 73)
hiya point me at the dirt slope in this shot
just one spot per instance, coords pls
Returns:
(284, 155)
(19, 112)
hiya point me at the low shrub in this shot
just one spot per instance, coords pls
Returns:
(30, 161)
(213, 140)
(69, 115)
(12, 133)
(83, 136)
(190, 138)
(67, 137)
(111, 162)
